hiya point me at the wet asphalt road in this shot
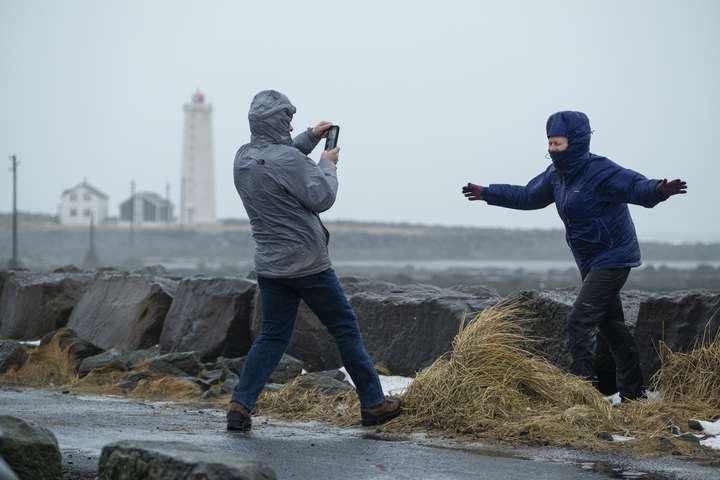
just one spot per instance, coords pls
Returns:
(84, 424)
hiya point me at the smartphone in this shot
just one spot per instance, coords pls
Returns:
(331, 140)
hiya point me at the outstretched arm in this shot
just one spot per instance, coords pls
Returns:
(628, 186)
(538, 193)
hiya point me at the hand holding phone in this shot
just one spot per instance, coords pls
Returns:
(331, 140)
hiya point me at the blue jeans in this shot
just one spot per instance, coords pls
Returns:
(323, 294)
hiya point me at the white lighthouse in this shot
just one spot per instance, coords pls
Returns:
(197, 183)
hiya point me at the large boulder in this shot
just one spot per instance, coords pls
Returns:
(210, 316)
(408, 327)
(547, 320)
(12, 355)
(31, 450)
(404, 327)
(680, 319)
(33, 304)
(150, 460)
(123, 310)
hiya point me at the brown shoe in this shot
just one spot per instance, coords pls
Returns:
(238, 418)
(379, 414)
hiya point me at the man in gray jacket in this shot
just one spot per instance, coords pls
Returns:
(283, 192)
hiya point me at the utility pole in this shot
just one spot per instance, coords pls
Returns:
(132, 213)
(91, 258)
(14, 261)
(167, 205)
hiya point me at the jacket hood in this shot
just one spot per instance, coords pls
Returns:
(270, 115)
(575, 126)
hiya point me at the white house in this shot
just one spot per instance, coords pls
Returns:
(146, 208)
(82, 202)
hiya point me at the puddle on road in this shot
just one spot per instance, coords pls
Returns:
(614, 471)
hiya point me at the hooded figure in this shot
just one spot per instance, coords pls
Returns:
(283, 191)
(591, 194)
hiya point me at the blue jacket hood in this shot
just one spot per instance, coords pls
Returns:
(270, 115)
(575, 126)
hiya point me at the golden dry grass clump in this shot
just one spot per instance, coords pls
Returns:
(494, 385)
(691, 376)
(47, 365)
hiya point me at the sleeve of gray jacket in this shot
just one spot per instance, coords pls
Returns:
(306, 141)
(314, 185)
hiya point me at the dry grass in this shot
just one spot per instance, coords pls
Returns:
(48, 365)
(692, 376)
(296, 403)
(493, 385)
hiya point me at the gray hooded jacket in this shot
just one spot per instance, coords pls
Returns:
(283, 191)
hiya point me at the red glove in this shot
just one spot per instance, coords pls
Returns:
(473, 192)
(668, 189)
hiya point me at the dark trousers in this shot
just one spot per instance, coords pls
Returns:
(280, 298)
(598, 308)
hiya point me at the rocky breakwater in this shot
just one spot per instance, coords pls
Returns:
(405, 328)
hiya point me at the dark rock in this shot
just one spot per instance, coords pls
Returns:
(234, 365)
(210, 316)
(33, 304)
(695, 425)
(688, 438)
(115, 359)
(174, 460)
(230, 383)
(67, 340)
(214, 376)
(204, 385)
(322, 383)
(607, 436)
(67, 269)
(178, 364)
(6, 472)
(12, 355)
(336, 374)
(123, 311)
(31, 450)
(110, 359)
(211, 394)
(130, 382)
(680, 319)
(288, 368)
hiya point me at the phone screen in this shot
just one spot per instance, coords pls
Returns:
(332, 137)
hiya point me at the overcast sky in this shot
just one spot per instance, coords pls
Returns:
(429, 95)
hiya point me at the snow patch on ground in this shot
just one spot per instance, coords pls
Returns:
(711, 428)
(31, 343)
(712, 442)
(391, 384)
(622, 438)
(614, 399)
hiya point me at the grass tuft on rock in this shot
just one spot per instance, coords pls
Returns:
(47, 365)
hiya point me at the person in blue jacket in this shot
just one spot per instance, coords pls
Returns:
(591, 194)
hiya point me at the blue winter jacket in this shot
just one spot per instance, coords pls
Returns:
(591, 194)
